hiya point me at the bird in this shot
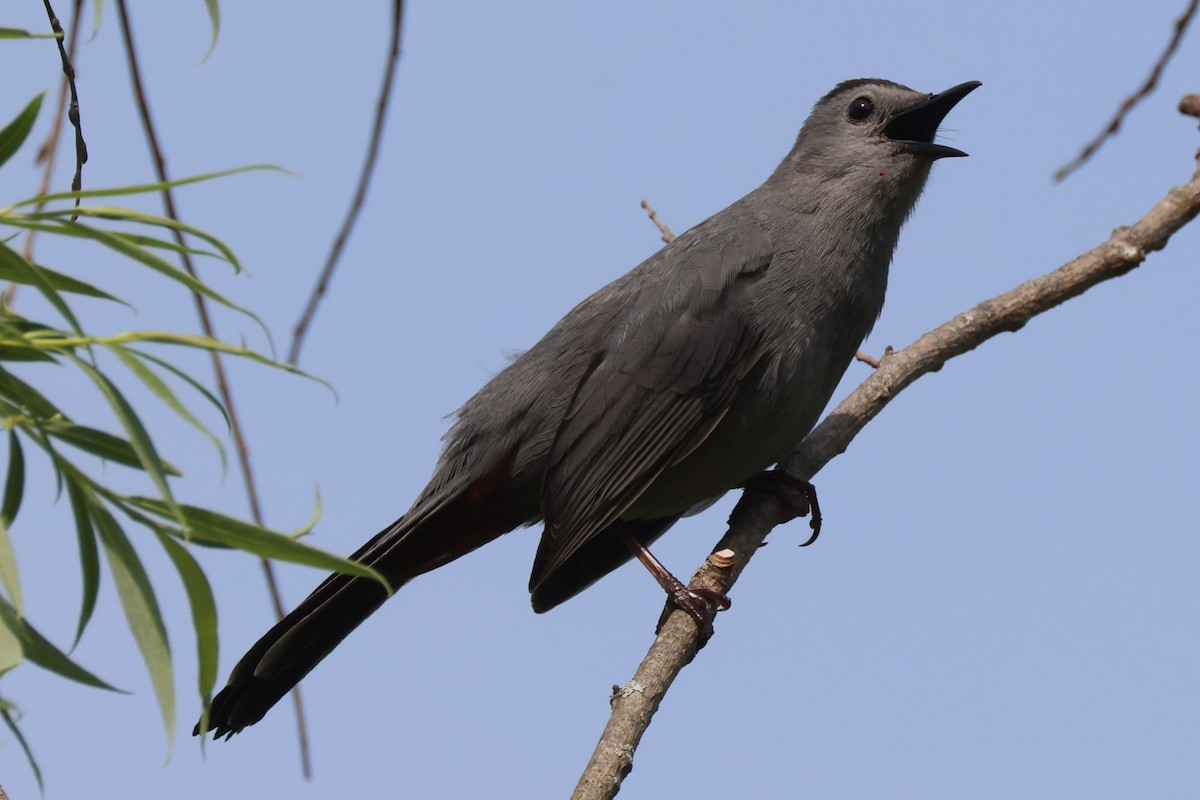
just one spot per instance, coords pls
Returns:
(684, 378)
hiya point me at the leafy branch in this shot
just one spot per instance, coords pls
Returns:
(35, 420)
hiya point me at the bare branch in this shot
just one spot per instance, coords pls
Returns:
(73, 109)
(218, 364)
(663, 230)
(870, 361)
(1181, 25)
(758, 512)
(47, 154)
(360, 194)
(1190, 105)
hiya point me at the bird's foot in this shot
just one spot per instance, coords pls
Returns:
(799, 495)
(701, 605)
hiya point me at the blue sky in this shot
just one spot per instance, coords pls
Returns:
(1004, 600)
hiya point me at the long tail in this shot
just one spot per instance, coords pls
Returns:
(414, 544)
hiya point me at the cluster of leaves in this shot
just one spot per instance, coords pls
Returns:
(102, 516)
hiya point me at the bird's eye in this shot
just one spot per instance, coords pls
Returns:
(860, 109)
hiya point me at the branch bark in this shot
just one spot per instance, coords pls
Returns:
(634, 705)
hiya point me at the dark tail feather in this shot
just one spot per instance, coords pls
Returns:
(270, 669)
(410, 547)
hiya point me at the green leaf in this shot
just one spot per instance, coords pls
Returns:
(155, 467)
(133, 216)
(97, 15)
(130, 358)
(209, 527)
(39, 650)
(48, 339)
(189, 380)
(164, 244)
(102, 444)
(14, 487)
(35, 277)
(89, 555)
(130, 250)
(204, 613)
(14, 133)
(137, 188)
(141, 610)
(11, 652)
(6, 715)
(10, 351)
(59, 281)
(214, 17)
(25, 396)
(14, 483)
(19, 33)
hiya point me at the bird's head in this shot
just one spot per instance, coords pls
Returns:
(876, 131)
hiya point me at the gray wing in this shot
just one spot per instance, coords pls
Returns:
(660, 383)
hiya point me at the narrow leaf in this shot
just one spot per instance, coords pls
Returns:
(163, 392)
(14, 483)
(209, 527)
(21, 33)
(204, 613)
(11, 351)
(214, 18)
(57, 280)
(55, 340)
(102, 444)
(25, 396)
(137, 188)
(138, 438)
(134, 252)
(7, 716)
(133, 216)
(14, 487)
(11, 652)
(14, 133)
(189, 380)
(89, 555)
(35, 277)
(141, 610)
(39, 650)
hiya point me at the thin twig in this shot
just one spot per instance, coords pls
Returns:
(47, 154)
(360, 194)
(663, 230)
(1181, 25)
(1190, 105)
(758, 512)
(73, 109)
(218, 365)
(869, 360)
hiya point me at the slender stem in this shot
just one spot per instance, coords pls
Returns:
(218, 364)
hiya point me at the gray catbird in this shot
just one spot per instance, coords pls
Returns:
(673, 384)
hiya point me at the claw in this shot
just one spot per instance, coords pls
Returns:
(786, 487)
(701, 605)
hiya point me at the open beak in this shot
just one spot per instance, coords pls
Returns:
(916, 127)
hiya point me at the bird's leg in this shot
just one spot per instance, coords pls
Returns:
(701, 604)
(786, 487)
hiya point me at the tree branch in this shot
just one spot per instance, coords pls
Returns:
(758, 511)
(360, 193)
(1181, 25)
(47, 154)
(73, 108)
(663, 230)
(206, 324)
